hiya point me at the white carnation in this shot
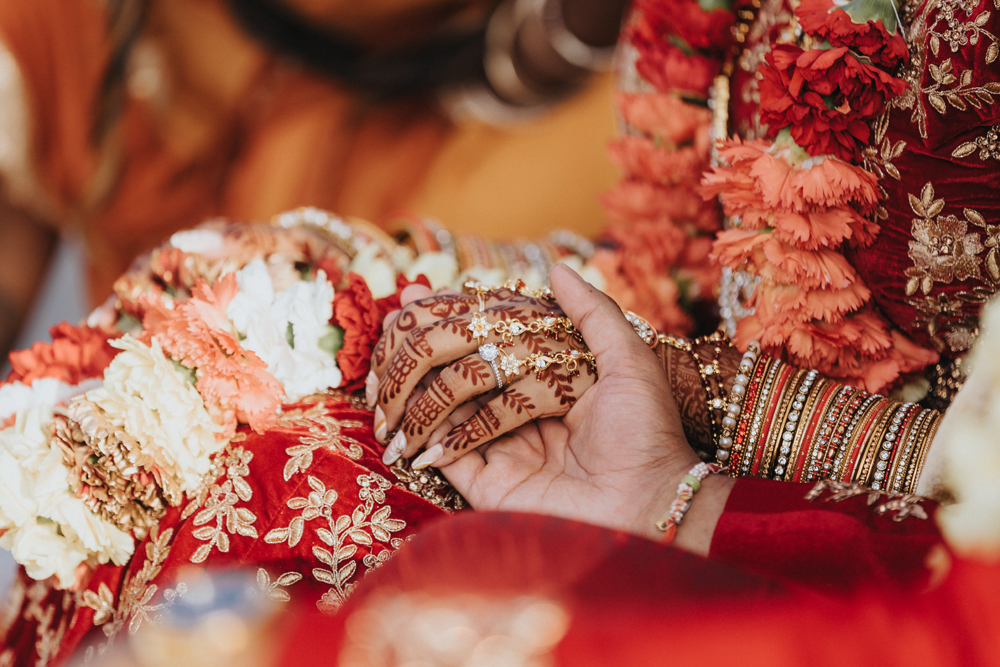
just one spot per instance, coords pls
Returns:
(44, 553)
(16, 397)
(379, 274)
(287, 329)
(49, 530)
(198, 241)
(147, 397)
(441, 269)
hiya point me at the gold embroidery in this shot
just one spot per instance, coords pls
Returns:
(429, 484)
(324, 433)
(923, 35)
(49, 638)
(275, 590)
(988, 146)
(942, 250)
(946, 321)
(904, 505)
(220, 507)
(135, 602)
(878, 157)
(363, 526)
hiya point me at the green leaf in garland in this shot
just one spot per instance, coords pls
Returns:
(862, 11)
(710, 5)
(332, 340)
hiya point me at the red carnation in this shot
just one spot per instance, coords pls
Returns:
(825, 96)
(823, 20)
(680, 45)
(74, 355)
(360, 315)
(355, 311)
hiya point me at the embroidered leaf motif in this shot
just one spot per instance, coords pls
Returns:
(964, 150)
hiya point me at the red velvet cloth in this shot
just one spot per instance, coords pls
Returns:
(314, 500)
(931, 126)
(628, 601)
(772, 530)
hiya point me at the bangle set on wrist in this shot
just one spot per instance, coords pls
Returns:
(783, 423)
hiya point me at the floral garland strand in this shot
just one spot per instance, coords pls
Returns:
(799, 199)
(117, 420)
(655, 257)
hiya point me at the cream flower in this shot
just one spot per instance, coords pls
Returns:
(199, 241)
(49, 530)
(16, 396)
(964, 455)
(441, 269)
(145, 395)
(377, 272)
(45, 553)
(287, 330)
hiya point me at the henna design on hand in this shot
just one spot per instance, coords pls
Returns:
(477, 429)
(517, 402)
(474, 370)
(402, 365)
(562, 386)
(428, 409)
(447, 305)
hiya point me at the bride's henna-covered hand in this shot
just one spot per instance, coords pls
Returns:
(427, 365)
(615, 459)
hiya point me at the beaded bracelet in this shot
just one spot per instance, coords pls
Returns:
(735, 405)
(689, 486)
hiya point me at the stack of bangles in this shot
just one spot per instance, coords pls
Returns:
(783, 423)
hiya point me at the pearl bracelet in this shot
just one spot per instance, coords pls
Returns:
(689, 486)
(735, 406)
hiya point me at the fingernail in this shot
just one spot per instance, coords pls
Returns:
(371, 389)
(380, 429)
(395, 449)
(428, 458)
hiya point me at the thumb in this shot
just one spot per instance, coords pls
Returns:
(605, 330)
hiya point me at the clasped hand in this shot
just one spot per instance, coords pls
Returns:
(606, 449)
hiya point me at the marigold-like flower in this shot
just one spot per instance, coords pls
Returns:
(355, 311)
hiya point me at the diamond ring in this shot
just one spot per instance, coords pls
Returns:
(489, 352)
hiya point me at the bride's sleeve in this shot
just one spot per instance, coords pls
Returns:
(827, 534)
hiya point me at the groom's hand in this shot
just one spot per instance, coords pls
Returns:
(616, 458)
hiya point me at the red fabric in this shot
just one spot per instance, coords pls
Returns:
(772, 530)
(634, 602)
(329, 447)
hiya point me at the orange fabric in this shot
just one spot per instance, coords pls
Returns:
(297, 140)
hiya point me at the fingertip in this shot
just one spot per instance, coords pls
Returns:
(414, 292)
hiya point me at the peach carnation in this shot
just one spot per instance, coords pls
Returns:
(810, 307)
(232, 380)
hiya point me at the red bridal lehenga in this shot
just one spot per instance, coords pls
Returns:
(208, 415)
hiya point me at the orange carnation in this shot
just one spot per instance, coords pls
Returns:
(75, 354)
(232, 380)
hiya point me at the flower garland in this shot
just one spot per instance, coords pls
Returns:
(655, 255)
(115, 421)
(797, 199)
